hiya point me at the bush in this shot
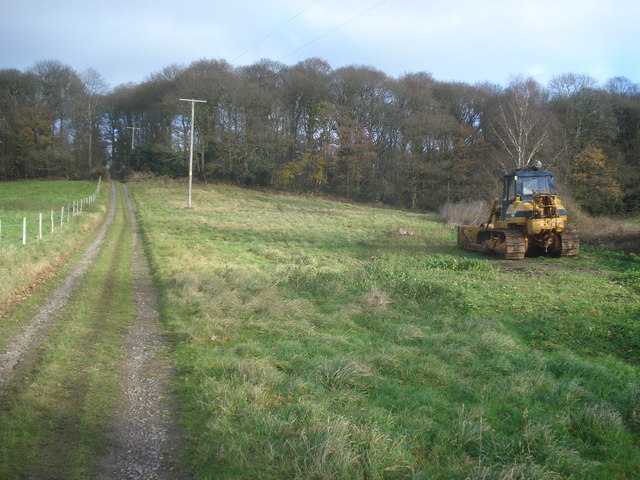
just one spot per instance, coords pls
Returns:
(605, 232)
(158, 160)
(98, 172)
(592, 182)
(465, 213)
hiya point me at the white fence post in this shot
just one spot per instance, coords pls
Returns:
(73, 208)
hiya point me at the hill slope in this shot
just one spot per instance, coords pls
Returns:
(322, 340)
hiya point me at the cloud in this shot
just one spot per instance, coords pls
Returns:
(462, 40)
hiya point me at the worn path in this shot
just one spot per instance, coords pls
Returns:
(142, 439)
(32, 333)
(144, 434)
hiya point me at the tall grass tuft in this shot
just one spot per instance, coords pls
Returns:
(336, 448)
(469, 430)
(596, 424)
(376, 299)
(344, 373)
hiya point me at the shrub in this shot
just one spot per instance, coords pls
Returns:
(605, 232)
(465, 213)
(157, 159)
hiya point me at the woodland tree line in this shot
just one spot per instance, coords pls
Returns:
(412, 142)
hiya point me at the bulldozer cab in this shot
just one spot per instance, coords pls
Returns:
(524, 184)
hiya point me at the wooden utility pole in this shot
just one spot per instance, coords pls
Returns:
(193, 103)
(133, 136)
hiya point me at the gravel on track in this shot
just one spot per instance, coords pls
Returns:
(144, 437)
(34, 330)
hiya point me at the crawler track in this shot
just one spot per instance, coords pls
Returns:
(516, 245)
(570, 244)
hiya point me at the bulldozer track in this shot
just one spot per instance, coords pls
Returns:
(570, 244)
(516, 245)
(508, 244)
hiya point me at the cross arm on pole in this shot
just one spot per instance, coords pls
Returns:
(133, 135)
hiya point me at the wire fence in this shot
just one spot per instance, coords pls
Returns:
(34, 227)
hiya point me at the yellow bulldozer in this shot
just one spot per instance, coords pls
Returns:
(529, 219)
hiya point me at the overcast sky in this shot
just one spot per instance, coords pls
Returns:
(454, 40)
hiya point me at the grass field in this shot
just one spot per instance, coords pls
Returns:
(319, 340)
(25, 265)
(29, 198)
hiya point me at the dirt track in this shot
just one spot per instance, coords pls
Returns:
(31, 335)
(144, 432)
(143, 437)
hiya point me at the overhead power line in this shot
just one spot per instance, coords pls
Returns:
(276, 30)
(333, 29)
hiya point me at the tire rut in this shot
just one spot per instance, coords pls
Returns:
(144, 437)
(21, 345)
(70, 436)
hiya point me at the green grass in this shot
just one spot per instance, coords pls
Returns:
(314, 340)
(29, 199)
(21, 265)
(54, 415)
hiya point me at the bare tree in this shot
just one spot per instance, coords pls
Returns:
(583, 117)
(60, 87)
(569, 85)
(95, 89)
(622, 86)
(521, 126)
